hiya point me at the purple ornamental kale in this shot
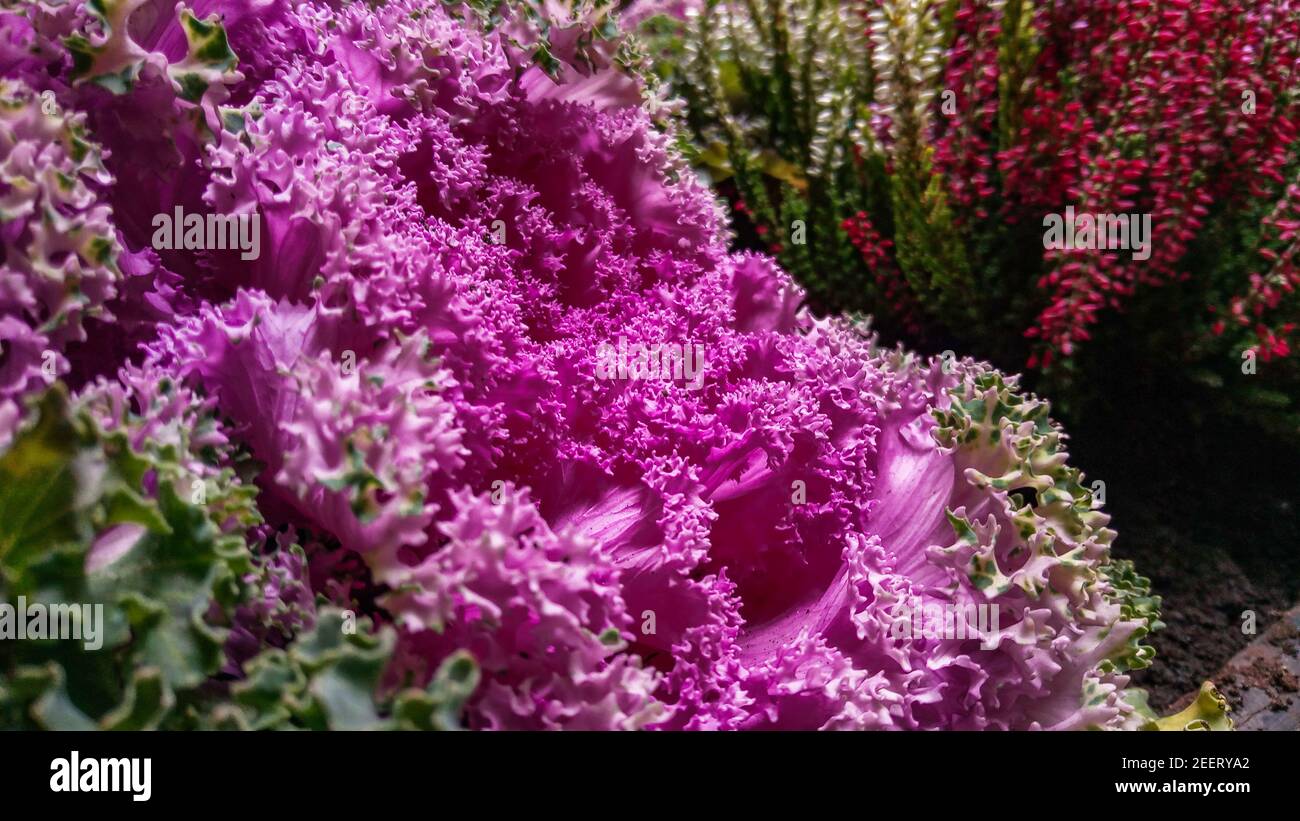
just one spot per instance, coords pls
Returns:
(456, 232)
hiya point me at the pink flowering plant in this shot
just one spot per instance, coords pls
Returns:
(907, 158)
(310, 316)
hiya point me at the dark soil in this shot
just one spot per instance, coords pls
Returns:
(1209, 510)
(1261, 682)
(1276, 681)
(1203, 603)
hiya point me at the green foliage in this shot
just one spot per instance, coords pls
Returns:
(774, 107)
(328, 680)
(929, 252)
(77, 526)
(1208, 712)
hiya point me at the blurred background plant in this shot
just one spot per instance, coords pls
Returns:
(899, 156)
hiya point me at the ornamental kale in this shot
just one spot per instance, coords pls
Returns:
(378, 476)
